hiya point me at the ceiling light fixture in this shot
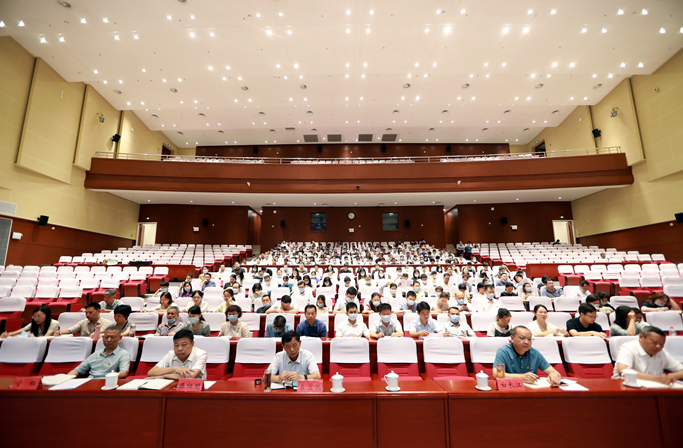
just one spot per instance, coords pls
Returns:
(447, 30)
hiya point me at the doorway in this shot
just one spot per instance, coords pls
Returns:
(564, 231)
(147, 233)
(540, 149)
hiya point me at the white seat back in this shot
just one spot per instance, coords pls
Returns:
(155, 348)
(443, 350)
(559, 319)
(521, 318)
(315, 346)
(674, 346)
(585, 350)
(12, 304)
(215, 320)
(136, 303)
(481, 321)
(68, 350)
(548, 348)
(629, 301)
(144, 321)
(662, 320)
(22, 350)
(483, 350)
(130, 345)
(617, 341)
(396, 350)
(252, 320)
(255, 350)
(349, 351)
(217, 349)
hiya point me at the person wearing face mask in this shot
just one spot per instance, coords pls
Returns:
(286, 283)
(509, 290)
(501, 327)
(658, 303)
(278, 327)
(526, 291)
(391, 292)
(301, 293)
(354, 327)
(237, 291)
(372, 304)
(489, 304)
(604, 305)
(346, 284)
(437, 291)
(185, 289)
(462, 303)
(172, 324)
(410, 305)
(163, 288)
(321, 305)
(386, 326)
(442, 304)
(234, 328)
(456, 326)
(195, 323)
(349, 297)
(420, 290)
(265, 305)
(368, 282)
(327, 282)
(256, 293)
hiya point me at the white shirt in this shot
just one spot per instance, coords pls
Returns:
(488, 306)
(303, 365)
(462, 329)
(358, 329)
(392, 327)
(196, 360)
(306, 296)
(582, 295)
(535, 328)
(341, 304)
(635, 357)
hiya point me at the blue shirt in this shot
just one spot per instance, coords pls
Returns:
(99, 365)
(271, 333)
(210, 283)
(319, 330)
(531, 361)
(557, 292)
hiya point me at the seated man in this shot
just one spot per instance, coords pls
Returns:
(311, 326)
(503, 279)
(457, 326)
(386, 326)
(110, 302)
(550, 290)
(584, 290)
(293, 363)
(410, 305)
(585, 325)
(111, 358)
(278, 327)
(285, 306)
(87, 326)
(648, 357)
(265, 305)
(509, 290)
(172, 324)
(461, 300)
(354, 327)
(300, 292)
(349, 297)
(163, 287)
(425, 324)
(184, 361)
(523, 361)
(490, 304)
(207, 282)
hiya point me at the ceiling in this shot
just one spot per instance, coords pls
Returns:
(501, 48)
(447, 199)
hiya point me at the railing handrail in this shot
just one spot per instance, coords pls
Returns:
(351, 160)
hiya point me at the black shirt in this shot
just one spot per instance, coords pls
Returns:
(575, 324)
(507, 294)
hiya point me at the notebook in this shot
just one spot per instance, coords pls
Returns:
(147, 384)
(56, 379)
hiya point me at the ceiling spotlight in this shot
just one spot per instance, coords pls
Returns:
(21, 23)
(135, 37)
(42, 40)
(2, 24)
(552, 12)
(662, 31)
(505, 30)
(169, 17)
(83, 20)
(367, 30)
(61, 38)
(584, 30)
(620, 12)
(640, 65)
(269, 32)
(348, 30)
(116, 37)
(105, 20)
(644, 12)
(531, 11)
(348, 12)
(525, 30)
(447, 30)
(289, 31)
(604, 30)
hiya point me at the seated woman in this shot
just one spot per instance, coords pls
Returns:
(185, 290)
(441, 305)
(501, 327)
(659, 302)
(234, 328)
(625, 323)
(541, 327)
(372, 304)
(256, 292)
(165, 301)
(195, 323)
(121, 314)
(198, 301)
(41, 324)
(321, 305)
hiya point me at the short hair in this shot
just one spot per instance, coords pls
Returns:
(300, 282)
(462, 286)
(234, 309)
(509, 285)
(352, 291)
(279, 321)
(503, 312)
(513, 332)
(411, 294)
(123, 310)
(164, 283)
(584, 283)
(637, 310)
(454, 308)
(201, 294)
(351, 305)
(195, 310)
(491, 286)
(110, 292)
(287, 337)
(113, 327)
(173, 307)
(586, 308)
(545, 279)
(444, 294)
(309, 306)
(184, 334)
(480, 285)
(384, 307)
(603, 295)
(422, 306)
(94, 305)
(286, 299)
(592, 298)
(646, 331)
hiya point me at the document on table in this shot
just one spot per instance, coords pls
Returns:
(208, 384)
(543, 383)
(655, 385)
(54, 380)
(283, 385)
(151, 384)
(573, 387)
(71, 384)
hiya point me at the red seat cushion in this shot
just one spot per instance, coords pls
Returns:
(351, 371)
(248, 372)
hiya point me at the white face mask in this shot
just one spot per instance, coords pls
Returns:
(410, 302)
(376, 303)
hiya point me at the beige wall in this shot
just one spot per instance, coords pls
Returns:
(573, 133)
(185, 152)
(516, 149)
(94, 136)
(65, 201)
(136, 138)
(657, 193)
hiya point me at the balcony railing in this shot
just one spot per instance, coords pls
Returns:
(359, 160)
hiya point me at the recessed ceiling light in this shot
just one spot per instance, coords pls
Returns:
(169, 17)
(42, 41)
(571, 98)
(116, 37)
(604, 30)
(525, 30)
(471, 75)
(83, 20)
(289, 31)
(620, 12)
(552, 11)
(426, 30)
(135, 37)
(21, 23)
(640, 64)
(644, 12)
(120, 81)
(554, 64)
(595, 75)
(192, 17)
(504, 64)
(609, 76)
(585, 98)
(348, 12)
(367, 30)
(584, 30)
(528, 98)
(571, 64)
(258, 14)
(533, 75)
(105, 81)
(2, 24)
(447, 30)
(473, 98)
(128, 103)
(505, 30)
(348, 30)
(662, 31)
(531, 11)
(269, 32)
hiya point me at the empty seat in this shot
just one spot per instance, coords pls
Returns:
(550, 350)
(21, 356)
(483, 353)
(11, 311)
(136, 303)
(315, 346)
(512, 303)
(674, 346)
(351, 358)
(481, 322)
(587, 357)
(145, 323)
(445, 359)
(253, 321)
(215, 320)
(68, 320)
(665, 321)
(23, 292)
(568, 304)
(65, 354)
(617, 341)
(521, 318)
(398, 355)
(154, 348)
(218, 354)
(252, 357)
(630, 301)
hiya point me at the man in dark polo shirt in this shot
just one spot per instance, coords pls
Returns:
(523, 361)
(585, 325)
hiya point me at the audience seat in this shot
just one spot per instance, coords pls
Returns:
(252, 358)
(483, 353)
(545, 301)
(481, 322)
(21, 356)
(398, 355)
(136, 286)
(617, 341)
(12, 313)
(315, 346)
(154, 348)
(69, 319)
(559, 319)
(444, 359)
(253, 321)
(160, 274)
(218, 354)
(551, 352)
(145, 323)
(665, 321)
(215, 320)
(350, 357)
(674, 346)
(597, 283)
(629, 301)
(65, 354)
(567, 304)
(587, 357)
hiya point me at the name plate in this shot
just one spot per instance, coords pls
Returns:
(507, 384)
(26, 383)
(190, 385)
(309, 386)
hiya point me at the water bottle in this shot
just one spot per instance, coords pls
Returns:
(672, 332)
(132, 330)
(266, 380)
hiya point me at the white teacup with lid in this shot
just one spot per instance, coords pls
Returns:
(337, 383)
(482, 380)
(111, 380)
(392, 380)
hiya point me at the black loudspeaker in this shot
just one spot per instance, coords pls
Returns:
(407, 223)
(504, 220)
(42, 220)
(384, 148)
(679, 218)
(255, 149)
(205, 222)
(115, 138)
(320, 150)
(282, 223)
(448, 148)
(596, 133)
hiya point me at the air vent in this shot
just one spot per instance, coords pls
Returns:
(334, 137)
(406, 86)
(290, 129)
(431, 129)
(180, 133)
(261, 113)
(556, 111)
(221, 132)
(314, 130)
(538, 86)
(272, 130)
(396, 111)
(303, 86)
(311, 138)
(155, 116)
(117, 91)
(364, 137)
(380, 204)
(507, 111)
(67, 5)
(268, 203)
(201, 114)
(245, 88)
(485, 129)
(445, 112)
(388, 129)
(597, 86)
(310, 112)
(525, 129)
(389, 137)
(464, 86)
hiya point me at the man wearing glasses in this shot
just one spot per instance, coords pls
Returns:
(523, 361)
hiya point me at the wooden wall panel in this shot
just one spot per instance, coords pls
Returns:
(254, 230)
(425, 223)
(663, 238)
(338, 151)
(452, 226)
(227, 224)
(42, 245)
(534, 221)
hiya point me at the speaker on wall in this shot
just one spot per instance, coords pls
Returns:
(115, 138)
(407, 222)
(42, 220)
(679, 218)
(448, 148)
(384, 148)
(596, 133)
(255, 149)
(320, 148)
(504, 220)
(282, 223)
(205, 222)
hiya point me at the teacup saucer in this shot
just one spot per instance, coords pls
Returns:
(393, 390)
(109, 388)
(337, 391)
(483, 388)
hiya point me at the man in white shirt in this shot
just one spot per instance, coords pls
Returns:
(293, 362)
(489, 304)
(386, 326)
(301, 293)
(184, 361)
(349, 297)
(456, 326)
(583, 291)
(648, 357)
(354, 327)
